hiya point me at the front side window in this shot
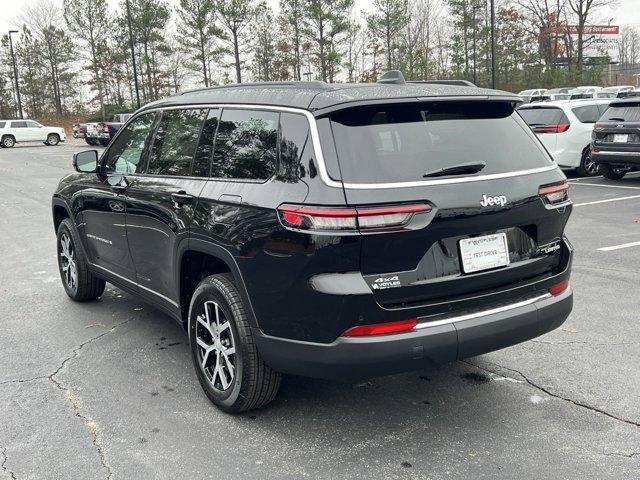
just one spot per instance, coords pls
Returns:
(126, 151)
(32, 124)
(175, 142)
(246, 145)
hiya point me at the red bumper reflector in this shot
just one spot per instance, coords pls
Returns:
(381, 328)
(558, 288)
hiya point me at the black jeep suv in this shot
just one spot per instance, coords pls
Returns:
(334, 231)
(615, 144)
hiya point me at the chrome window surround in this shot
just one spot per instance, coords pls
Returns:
(317, 147)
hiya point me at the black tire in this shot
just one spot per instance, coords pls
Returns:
(612, 173)
(8, 141)
(89, 141)
(53, 139)
(253, 383)
(86, 286)
(587, 168)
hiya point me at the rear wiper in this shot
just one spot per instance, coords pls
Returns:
(462, 169)
(617, 119)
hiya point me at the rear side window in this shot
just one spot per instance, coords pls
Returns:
(204, 152)
(175, 142)
(2, 124)
(539, 117)
(623, 113)
(294, 135)
(18, 124)
(587, 113)
(246, 145)
(402, 143)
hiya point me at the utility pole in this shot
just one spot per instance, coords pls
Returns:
(475, 9)
(133, 54)
(15, 72)
(493, 44)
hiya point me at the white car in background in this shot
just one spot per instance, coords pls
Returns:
(565, 130)
(532, 95)
(15, 131)
(620, 89)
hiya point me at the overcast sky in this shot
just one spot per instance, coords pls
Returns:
(627, 12)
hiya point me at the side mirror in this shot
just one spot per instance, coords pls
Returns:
(86, 162)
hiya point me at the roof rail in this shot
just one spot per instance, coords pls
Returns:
(463, 83)
(311, 85)
(394, 77)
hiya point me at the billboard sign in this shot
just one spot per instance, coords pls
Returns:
(599, 40)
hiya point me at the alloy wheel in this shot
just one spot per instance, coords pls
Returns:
(216, 347)
(590, 166)
(68, 262)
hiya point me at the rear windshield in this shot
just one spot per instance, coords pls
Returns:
(402, 143)
(539, 117)
(623, 113)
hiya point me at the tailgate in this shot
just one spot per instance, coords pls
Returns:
(479, 168)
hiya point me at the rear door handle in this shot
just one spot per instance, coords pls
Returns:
(181, 197)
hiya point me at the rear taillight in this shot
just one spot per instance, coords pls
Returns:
(552, 128)
(553, 194)
(558, 288)
(347, 219)
(105, 127)
(381, 328)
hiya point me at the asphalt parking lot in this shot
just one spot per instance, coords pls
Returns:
(107, 389)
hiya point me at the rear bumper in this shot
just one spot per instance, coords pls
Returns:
(429, 344)
(615, 157)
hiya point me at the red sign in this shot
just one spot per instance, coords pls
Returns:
(595, 29)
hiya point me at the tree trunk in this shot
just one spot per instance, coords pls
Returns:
(204, 59)
(236, 53)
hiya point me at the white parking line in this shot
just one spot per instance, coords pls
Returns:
(605, 186)
(618, 247)
(606, 201)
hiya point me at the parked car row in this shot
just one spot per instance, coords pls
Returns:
(577, 93)
(100, 133)
(593, 136)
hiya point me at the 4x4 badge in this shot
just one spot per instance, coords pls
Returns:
(381, 283)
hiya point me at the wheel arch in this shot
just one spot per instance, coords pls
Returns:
(60, 211)
(199, 259)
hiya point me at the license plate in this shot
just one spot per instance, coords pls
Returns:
(484, 253)
(620, 138)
